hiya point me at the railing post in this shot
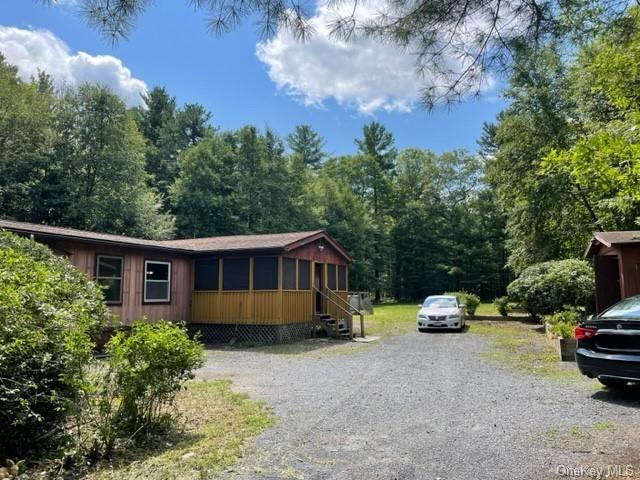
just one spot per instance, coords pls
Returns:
(361, 325)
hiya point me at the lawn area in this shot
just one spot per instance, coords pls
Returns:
(217, 423)
(390, 319)
(523, 347)
(487, 309)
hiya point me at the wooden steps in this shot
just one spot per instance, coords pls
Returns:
(334, 328)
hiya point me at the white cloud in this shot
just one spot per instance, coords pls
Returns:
(362, 73)
(30, 50)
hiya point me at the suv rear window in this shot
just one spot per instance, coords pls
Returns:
(628, 308)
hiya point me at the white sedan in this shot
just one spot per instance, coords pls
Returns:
(441, 311)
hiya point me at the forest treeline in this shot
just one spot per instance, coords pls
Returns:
(558, 163)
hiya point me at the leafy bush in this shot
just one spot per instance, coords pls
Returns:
(48, 313)
(148, 367)
(553, 286)
(502, 305)
(563, 323)
(470, 300)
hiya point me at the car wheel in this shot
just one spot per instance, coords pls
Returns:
(421, 330)
(615, 383)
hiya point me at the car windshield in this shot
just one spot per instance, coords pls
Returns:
(440, 302)
(628, 308)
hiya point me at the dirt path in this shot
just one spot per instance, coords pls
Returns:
(425, 406)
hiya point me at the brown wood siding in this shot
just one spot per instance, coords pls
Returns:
(83, 257)
(629, 270)
(312, 252)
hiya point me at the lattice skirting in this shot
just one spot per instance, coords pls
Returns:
(259, 334)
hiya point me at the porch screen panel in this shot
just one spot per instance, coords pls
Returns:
(206, 274)
(331, 276)
(265, 273)
(289, 273)
(342, 277)
(235, 274)
(304, 267)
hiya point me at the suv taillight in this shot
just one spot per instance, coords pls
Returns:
(582, 333)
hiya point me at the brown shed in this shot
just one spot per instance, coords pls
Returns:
(616, 262)
(268, 288)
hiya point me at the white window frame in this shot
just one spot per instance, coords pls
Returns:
(121, 277)
(167, 281)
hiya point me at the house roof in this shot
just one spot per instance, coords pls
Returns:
(270, 242)
(610, 239)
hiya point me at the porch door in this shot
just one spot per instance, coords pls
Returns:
(607, 272)
(317, 283)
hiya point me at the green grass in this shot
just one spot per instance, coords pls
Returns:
(216, 425)
(521, 347)
(391, 319)
(487, 309)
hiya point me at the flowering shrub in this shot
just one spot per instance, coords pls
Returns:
(551, 287)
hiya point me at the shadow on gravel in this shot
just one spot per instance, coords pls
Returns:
(630, 397)
(440, 331)
(311, 345)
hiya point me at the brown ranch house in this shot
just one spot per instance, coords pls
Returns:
(264, 288)
(616, 262)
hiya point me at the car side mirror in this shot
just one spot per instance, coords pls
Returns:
(419, 305)
(462, 305)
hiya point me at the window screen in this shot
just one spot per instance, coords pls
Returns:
(304, 267)
(289, 273)
(235, 274)
(109, 276)
(342, 277)
(206, 274)
(157, 281)
(265, 273)
(331, 276)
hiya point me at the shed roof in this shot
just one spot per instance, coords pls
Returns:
(610, 239)
(231, 243)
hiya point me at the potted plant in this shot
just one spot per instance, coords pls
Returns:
(559, 328)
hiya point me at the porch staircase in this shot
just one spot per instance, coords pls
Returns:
(336, 328)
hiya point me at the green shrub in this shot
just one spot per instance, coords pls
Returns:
(470, 301)
(563, 323)
(48, 313)
(553, 286)
(502, 305)
(148, 367)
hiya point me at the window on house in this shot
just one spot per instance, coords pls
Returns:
(304, 267)
(265, 273)
(206, 274)
(342, 277)
(109, 276)
(235, 274)
(157, 281)
(289, 273)
(331, 277)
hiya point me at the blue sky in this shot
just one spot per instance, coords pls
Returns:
(171, 47)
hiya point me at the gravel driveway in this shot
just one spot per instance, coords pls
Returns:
(419, 406)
